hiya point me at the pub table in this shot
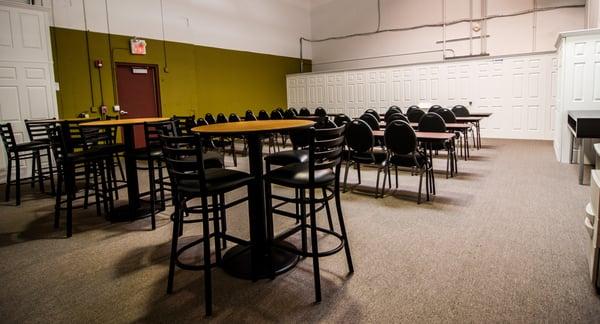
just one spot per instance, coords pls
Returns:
(259, 259)
(135, 208)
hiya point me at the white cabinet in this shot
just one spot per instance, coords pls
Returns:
(578, 86)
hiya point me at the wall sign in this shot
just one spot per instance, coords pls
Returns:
(138, 46)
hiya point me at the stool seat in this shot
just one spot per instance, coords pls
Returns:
(287, 157)
(297, 174)
(217, 181)
(28, 146)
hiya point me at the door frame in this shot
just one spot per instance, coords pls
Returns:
(156, 81)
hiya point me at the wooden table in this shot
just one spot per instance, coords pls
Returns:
(135, 208)
(255, 261)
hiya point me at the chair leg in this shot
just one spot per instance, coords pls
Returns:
(216, 203)
(346, 174)
(70, 189)
(396, 169)
(96, 187)
(50, 171)
(303, 221)
(175, 236)
(86, 191)
(207, 272)
(233, 152)
(40, 172)
(377, 184)
(358, 171)
(161, 185)
(152, 193)
(18, 178)
(105, 180)
(314, 245)
(57, 203)
(8, 176)
(385, 173)
(421, 185)
(223, 219)
(327, 209)
(338, 207)
(33, 168)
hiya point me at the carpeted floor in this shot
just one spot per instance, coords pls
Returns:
(501, 242)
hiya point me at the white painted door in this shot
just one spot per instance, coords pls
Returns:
(26, 74)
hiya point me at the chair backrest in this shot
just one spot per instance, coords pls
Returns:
(38, 129)
(294, 110)
(263, 115)
(434, 108)
(373, 113)
(432, 122)
(370, 120)
(341, 119)
(249, 116)
(72, 132)
(461, 111)
(221, 118)
(447, 115)
(359, 136)
(411, 108)
(8, 136)
(210, 119)
(281, 110)
(184, 124)
(415, 115)
(289, 114)
(392, 110)
(183, 156)
(400, 138)
(276, 114)
(233, 118)
(320, 111)
(304, 112)
(324, 122)
(154, 130)
(397, 116)
(58, 144)
(93, 136)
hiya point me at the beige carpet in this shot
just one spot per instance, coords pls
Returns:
(501, 242)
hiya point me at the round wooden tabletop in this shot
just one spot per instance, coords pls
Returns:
(121, 122)
(257, 126)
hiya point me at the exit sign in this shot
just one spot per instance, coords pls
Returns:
(138, 46)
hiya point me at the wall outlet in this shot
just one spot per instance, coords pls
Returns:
(93, 109)
(116, 108)
(103, 109)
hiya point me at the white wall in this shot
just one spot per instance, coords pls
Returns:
(262, 26)
(520, 91)
(508, 36)
(592, 8)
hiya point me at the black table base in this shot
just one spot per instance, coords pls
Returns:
(238, 262)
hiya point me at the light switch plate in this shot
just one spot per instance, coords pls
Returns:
(116, 108)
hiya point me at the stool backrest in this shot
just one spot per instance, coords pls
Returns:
(183, 156)
(325, 150)
(184, 124)
(8, 136)
(37, 129)
(154, 130)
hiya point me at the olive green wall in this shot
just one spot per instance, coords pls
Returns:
(197, 80)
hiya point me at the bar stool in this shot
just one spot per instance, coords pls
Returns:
(17, 152)
(38, 130)
(322, 171)
(191, 180)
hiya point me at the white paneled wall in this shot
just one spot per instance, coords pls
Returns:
(519, 90)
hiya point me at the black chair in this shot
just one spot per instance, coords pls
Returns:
(289, 114)
(191, 180)
(370, 120)
(403, 151)
(411, 108)
(432, 122)
(294, 110)
(304, 112)
(392, 110)
(321, 172)
(93, 159)
(447, 115)
(249, 116)
(435, 108)
(17, 152)
(210, 119)
(184, 124)
(415, 115)
(373, 112)
(461, 111)
(360, 142)
(321, 112)
(263, 115)
(341, 119)
(221, 118)
(276, 115)
(234, 118)
(397, 116)
(38, 131)
(224, 143)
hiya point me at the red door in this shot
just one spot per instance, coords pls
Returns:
(138, 94)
